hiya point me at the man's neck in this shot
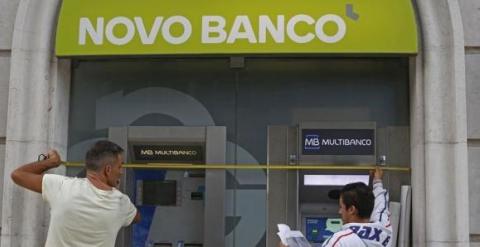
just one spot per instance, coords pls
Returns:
(364, 220)
(98, 181)
(359, 220)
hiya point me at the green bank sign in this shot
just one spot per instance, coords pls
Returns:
(168, 27)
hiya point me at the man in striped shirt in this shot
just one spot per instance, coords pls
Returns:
(365, 216)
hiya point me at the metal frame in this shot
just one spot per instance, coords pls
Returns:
(214, 138)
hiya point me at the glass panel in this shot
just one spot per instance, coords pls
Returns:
(266, 92)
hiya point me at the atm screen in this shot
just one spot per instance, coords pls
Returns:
(318, 229)
(160, 193)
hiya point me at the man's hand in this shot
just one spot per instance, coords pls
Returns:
(54, 158)
(377, 174)
(30, 176)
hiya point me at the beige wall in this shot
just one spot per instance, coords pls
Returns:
(473, 122)
(471, 20)
(2, 158)
(474, 182)
(8, 10)
(473, 93)
(4, 78)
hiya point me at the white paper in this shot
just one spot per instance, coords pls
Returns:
(291, 238)
(283, 231)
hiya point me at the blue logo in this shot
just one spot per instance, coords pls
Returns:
(312, 142)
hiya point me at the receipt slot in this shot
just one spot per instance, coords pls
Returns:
(177, 206)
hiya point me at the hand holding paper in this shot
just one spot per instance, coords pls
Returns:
(291, 238)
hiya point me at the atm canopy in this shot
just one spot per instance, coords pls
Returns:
(170, 27)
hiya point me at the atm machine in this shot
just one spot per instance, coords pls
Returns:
(178, 207)
(300, 198)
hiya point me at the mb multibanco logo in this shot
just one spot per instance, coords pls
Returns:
(312, 142)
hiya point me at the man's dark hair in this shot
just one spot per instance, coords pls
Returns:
(101, 153)
(358, 195)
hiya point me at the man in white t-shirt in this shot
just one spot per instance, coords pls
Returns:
(84, 211)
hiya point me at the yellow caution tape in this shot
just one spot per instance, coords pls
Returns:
(183, 166)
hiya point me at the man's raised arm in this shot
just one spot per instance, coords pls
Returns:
(380, 212)
(30, 175)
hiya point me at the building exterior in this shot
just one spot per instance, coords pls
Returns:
(423, 101)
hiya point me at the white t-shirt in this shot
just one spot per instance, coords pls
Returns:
(378, 233)
(83, 215)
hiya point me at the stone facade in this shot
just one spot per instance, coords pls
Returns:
(445, 97)
(471, 19)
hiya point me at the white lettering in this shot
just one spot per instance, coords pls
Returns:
(87, 27)
(187, 30)
(342, 28)
(291, 29)
(346, 142)
(148, 39)
(146, 152)
(127, 37)
(219, 29)
(277, 32)
(312, 142)
(241, 21)
(299, 29)
(170, 152)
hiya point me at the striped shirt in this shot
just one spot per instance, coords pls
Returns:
(377, 233)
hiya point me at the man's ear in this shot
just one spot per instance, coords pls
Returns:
(352, 210)
(108, 169)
